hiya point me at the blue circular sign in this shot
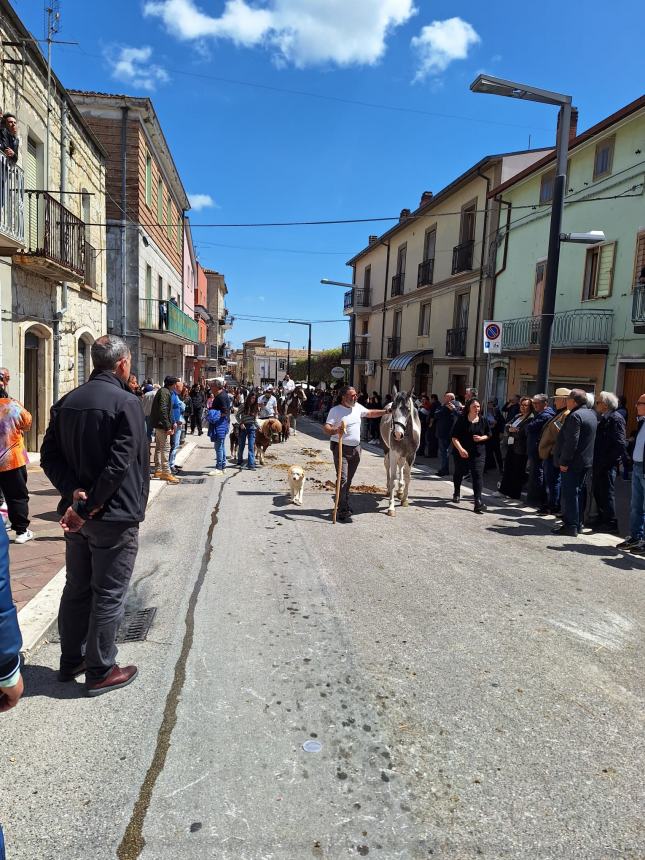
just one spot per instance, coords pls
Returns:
(492, 331)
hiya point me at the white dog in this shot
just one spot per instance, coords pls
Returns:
(296, 478)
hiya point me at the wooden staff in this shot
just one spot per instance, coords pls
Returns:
(340, 472)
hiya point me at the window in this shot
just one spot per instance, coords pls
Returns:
(179, 235)
(538, 288)
(160, 288)
(365, 325)
(148, 181)
(639, 261)
(546, 187)
(367, 278)
(424, 319)
(429, 244)
(599, 271)
(462, 307)
(168, 218)
(603, 158)
(467, 226)
(400, 259)
(159, 202)
(396, 324)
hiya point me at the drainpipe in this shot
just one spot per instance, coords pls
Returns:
(62, 310)
(124, 203)
(387, 271)
(481, 277)
(508, 205)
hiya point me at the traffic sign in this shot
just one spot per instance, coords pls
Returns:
(492, 336)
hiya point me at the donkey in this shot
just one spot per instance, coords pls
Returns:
(400, 433)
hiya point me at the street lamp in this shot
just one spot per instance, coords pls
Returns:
(288, 343)
(303, 322)
(352, 325)
(500, 87)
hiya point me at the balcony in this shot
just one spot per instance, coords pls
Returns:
(426, 273)
(200, 350)
(638, 309)
(12, 206)
(360, 351)
(456, 341)
(579, 329)
(398, 282)
(355, 299)
(54, 244)
(393, 346)
(165, 321)
(462, 257)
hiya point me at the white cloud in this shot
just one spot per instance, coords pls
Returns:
(201, 201)
(133, 66)
(442, 42)
(301, 32)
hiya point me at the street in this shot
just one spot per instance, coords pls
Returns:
(474, 685)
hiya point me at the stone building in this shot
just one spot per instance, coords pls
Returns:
(53, 255)
(219, 324)
(145, 234)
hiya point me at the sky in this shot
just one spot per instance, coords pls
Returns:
(297, 110)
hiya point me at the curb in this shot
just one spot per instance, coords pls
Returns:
(38, 617)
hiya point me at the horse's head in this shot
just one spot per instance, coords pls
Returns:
(401, 413)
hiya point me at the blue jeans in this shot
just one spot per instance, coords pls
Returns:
(444, 446)
(244, 433)
(175, 439)
(552, 484)
(573, 495)
(220, 452)
(637, 506)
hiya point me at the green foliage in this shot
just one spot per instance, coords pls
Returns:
(321, 366)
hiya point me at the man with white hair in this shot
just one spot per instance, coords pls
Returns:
(609, 447)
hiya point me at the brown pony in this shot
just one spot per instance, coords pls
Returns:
(264, 436)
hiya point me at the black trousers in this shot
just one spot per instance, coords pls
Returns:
(348, 467)
(196, 420)
(514, 474)
(13, 484)
(603, 481)
(99, 561)
(474, 465)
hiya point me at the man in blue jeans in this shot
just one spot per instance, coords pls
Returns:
(574, 452)
(635, 543)
(218, 431)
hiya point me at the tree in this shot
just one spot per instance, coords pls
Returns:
(321, 365)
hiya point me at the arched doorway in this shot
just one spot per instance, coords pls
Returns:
(422, 379)
(36, 379)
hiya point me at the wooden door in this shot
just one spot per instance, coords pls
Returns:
(31, 391)
(633, 387)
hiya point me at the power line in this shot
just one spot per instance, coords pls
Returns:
(200, 244)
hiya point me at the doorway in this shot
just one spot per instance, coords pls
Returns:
(32, 377)
(422, 379)
(633, 387)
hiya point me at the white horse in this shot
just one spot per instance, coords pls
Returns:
(401, 432)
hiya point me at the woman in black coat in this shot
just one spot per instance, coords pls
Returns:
(517, 451)
(469, 437)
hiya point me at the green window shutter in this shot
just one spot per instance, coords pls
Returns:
(148, 181)
(160, 202)
(168, 221)
(605, 270)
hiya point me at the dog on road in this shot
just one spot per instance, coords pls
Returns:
(296, 479)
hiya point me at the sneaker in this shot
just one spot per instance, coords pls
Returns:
(565, 531)
(456, 498)
(24, 537)
(629, 544)
(169, 478)
(639, 549)
(215, 473)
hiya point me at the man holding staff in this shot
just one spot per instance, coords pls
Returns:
(344, 422)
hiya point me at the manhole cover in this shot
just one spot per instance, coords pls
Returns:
(135, 625)
(192, 480)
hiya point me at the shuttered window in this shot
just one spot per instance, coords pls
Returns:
(603, 158)
(160, 202)
(148, 181)
(639, 261)
(599, 271)
(32, 200)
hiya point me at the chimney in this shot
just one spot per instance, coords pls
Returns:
(573, 128)
(372, 240)
(405, 214)
(426, 197)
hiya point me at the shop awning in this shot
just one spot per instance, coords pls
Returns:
(401, 362)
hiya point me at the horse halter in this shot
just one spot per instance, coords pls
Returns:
(401, 424)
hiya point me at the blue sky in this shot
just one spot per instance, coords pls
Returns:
(259, 102)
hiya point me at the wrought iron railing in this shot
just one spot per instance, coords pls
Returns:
(638, 304)
(393, 346)
(360, 350)
(456, 341)
(155, 315)
(398, 282)
(426, 273)
(358, 297)
(12, 200)
(53, 232)
(576, 328)
(462, 256)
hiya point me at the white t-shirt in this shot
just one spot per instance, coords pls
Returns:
(352, 418)
(288, 385)
(268, 406)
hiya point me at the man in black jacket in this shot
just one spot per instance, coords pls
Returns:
(95, 453)
(574, 452)
(610, 445)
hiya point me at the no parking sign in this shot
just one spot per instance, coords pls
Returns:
(492, 336)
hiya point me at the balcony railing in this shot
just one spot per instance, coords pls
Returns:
(54, 234)
(462, 257)
(12, 202)
(90, 267)
(360, 350)
(576, 329)
(398, 282)
(638, 309)
(456, 341)
(168, 321)
(393, 346)
(426, 273)
(358, 297)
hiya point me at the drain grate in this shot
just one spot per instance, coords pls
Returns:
(135, 625)
(192, 480)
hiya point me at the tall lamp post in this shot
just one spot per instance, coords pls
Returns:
(352, 326)
(303, 322)
(288, 343)
(511, 89)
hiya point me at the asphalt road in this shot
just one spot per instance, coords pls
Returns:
(474, 683)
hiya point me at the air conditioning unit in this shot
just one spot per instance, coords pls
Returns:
(370, 368)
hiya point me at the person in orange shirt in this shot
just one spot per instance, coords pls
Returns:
(14, 421)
